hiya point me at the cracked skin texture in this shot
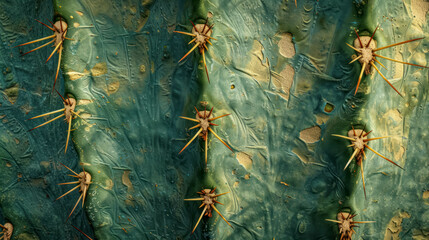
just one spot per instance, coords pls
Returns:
(29, 168)
(122, 68)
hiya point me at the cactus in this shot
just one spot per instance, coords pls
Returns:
(280, 69)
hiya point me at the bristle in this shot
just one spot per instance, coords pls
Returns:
(360, 76)
(357, 50)
(194, 26)
(198, 112)
(355, 59)
(396, 44)
(68, 133)
(56, 48)
(205, 66)
(37, 40)
(37, 48)
(383, 156)
(190, 119)
(385, 79)
(219, 138)
(199, 131)
(351, 158)
(213, 206)
(394, 60)
(205, 24)
(212, 119)
(199, 219)
(82, 232)
(58, 67)
(185, 33)
(71, 190)
(363, 179)
(45, 25)
(192, 49)
(53, 119)
(360, 42)
(74, 207)
(340, 136)
(371, 37)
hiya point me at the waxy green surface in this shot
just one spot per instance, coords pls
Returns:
(282, 73)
